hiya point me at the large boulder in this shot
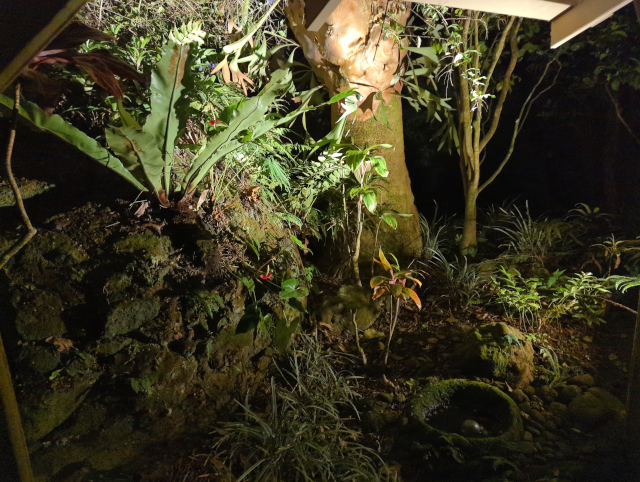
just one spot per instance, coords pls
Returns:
(497, 351)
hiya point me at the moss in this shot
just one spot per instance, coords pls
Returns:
(336, 310)
(39, 315)
(113, 346)
(28, 189)
(473, 394)
(498, 351)
(131, 315)
(156, 248)
(42, 359)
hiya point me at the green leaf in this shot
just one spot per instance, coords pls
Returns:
(299, 243)
(390, 220)
(296, 304)
(150, 156)
(166, 88)
(119, 144)
(248, 115)
(127, 119)
(35, 118)
(289, 284)
(428, 52)
(369, 199)
(284, 332)
(354, 159)
(341, 95)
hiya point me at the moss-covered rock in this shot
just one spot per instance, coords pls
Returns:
(130, 315)
(497, 351)
(455, 401)
(39, 314)
(337, 310)
(594, 408)
(152, 247)
(42, 359)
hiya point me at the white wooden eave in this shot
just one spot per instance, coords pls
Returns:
(568, 17)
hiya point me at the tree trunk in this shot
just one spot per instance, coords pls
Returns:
(349, 51)
(469, 241)
(406, 240)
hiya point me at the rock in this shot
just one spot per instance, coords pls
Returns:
(432, 341)
(372, 334)
(497, 351)
(558, 408)
(529, 390)
(527, 436)
(582, 379)
(519, 396)
(131, 315)
(549, 436)
(336, 310)
(568, 393)
(39, 314)
(550, 426)
(400, 398)
(42, 359)
(595, 407)
(537, 416)
(532, 430)
(386, 397)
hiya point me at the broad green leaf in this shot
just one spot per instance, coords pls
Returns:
(377, 281)
(355, 159)
(369, 199)
(284, 332)
(396, 289)
(35, 118)
(127, 119)
(341, 95)
(380, 165)
(390, 220)
(150, 156)
(119, 144)
(428, 52)
(166, 89)
(249, 114)
(289, 284)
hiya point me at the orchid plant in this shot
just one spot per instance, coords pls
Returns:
(394, 286)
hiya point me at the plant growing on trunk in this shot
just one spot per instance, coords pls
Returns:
(394, 286)
(360, 47)
(472, 51)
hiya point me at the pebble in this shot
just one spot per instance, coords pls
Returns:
(583, 379)
(549, 436)
(537, 416)
(568, 393)
(527, 437)
(537, 446)
(550, 426)
(557, 408)
(532, 431)
(432, 341)
(519, 396)
(529, 390)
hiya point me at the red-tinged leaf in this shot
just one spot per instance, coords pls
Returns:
(77, 33)
(379, 292)
(266, 277)
(377, 281)
(414, 296)
(41, 89)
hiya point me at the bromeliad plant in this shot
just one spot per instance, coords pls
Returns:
(394, 287)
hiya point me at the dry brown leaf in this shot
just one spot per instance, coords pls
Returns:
(61, 344)
(202, 198)
(143, 207)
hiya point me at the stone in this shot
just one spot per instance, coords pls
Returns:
(128, 316)
(558, 408)
(432, 341)
(42, 359)
(372, 334)
(594, 408)
(537, 416)
(519, 396)
(568, 393)
(582, 379)
(529, 390)
(550, 426)
(336, 310)
(532, 430)
(527, 436)
(499, 352)
(386, 397)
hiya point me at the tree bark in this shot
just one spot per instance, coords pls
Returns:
(469, 240)
(406, 240)
(350, 51)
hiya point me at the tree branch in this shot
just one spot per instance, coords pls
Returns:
(505, 84)
(14, 185)
(524, 114)
(619, 114)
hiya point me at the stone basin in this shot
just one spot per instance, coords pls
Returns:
(438, 411)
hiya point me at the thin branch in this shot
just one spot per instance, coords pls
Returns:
(621, 306)
(524, 114)
(500, 48)
(619, 114)
(505, 84)
(14, 185)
